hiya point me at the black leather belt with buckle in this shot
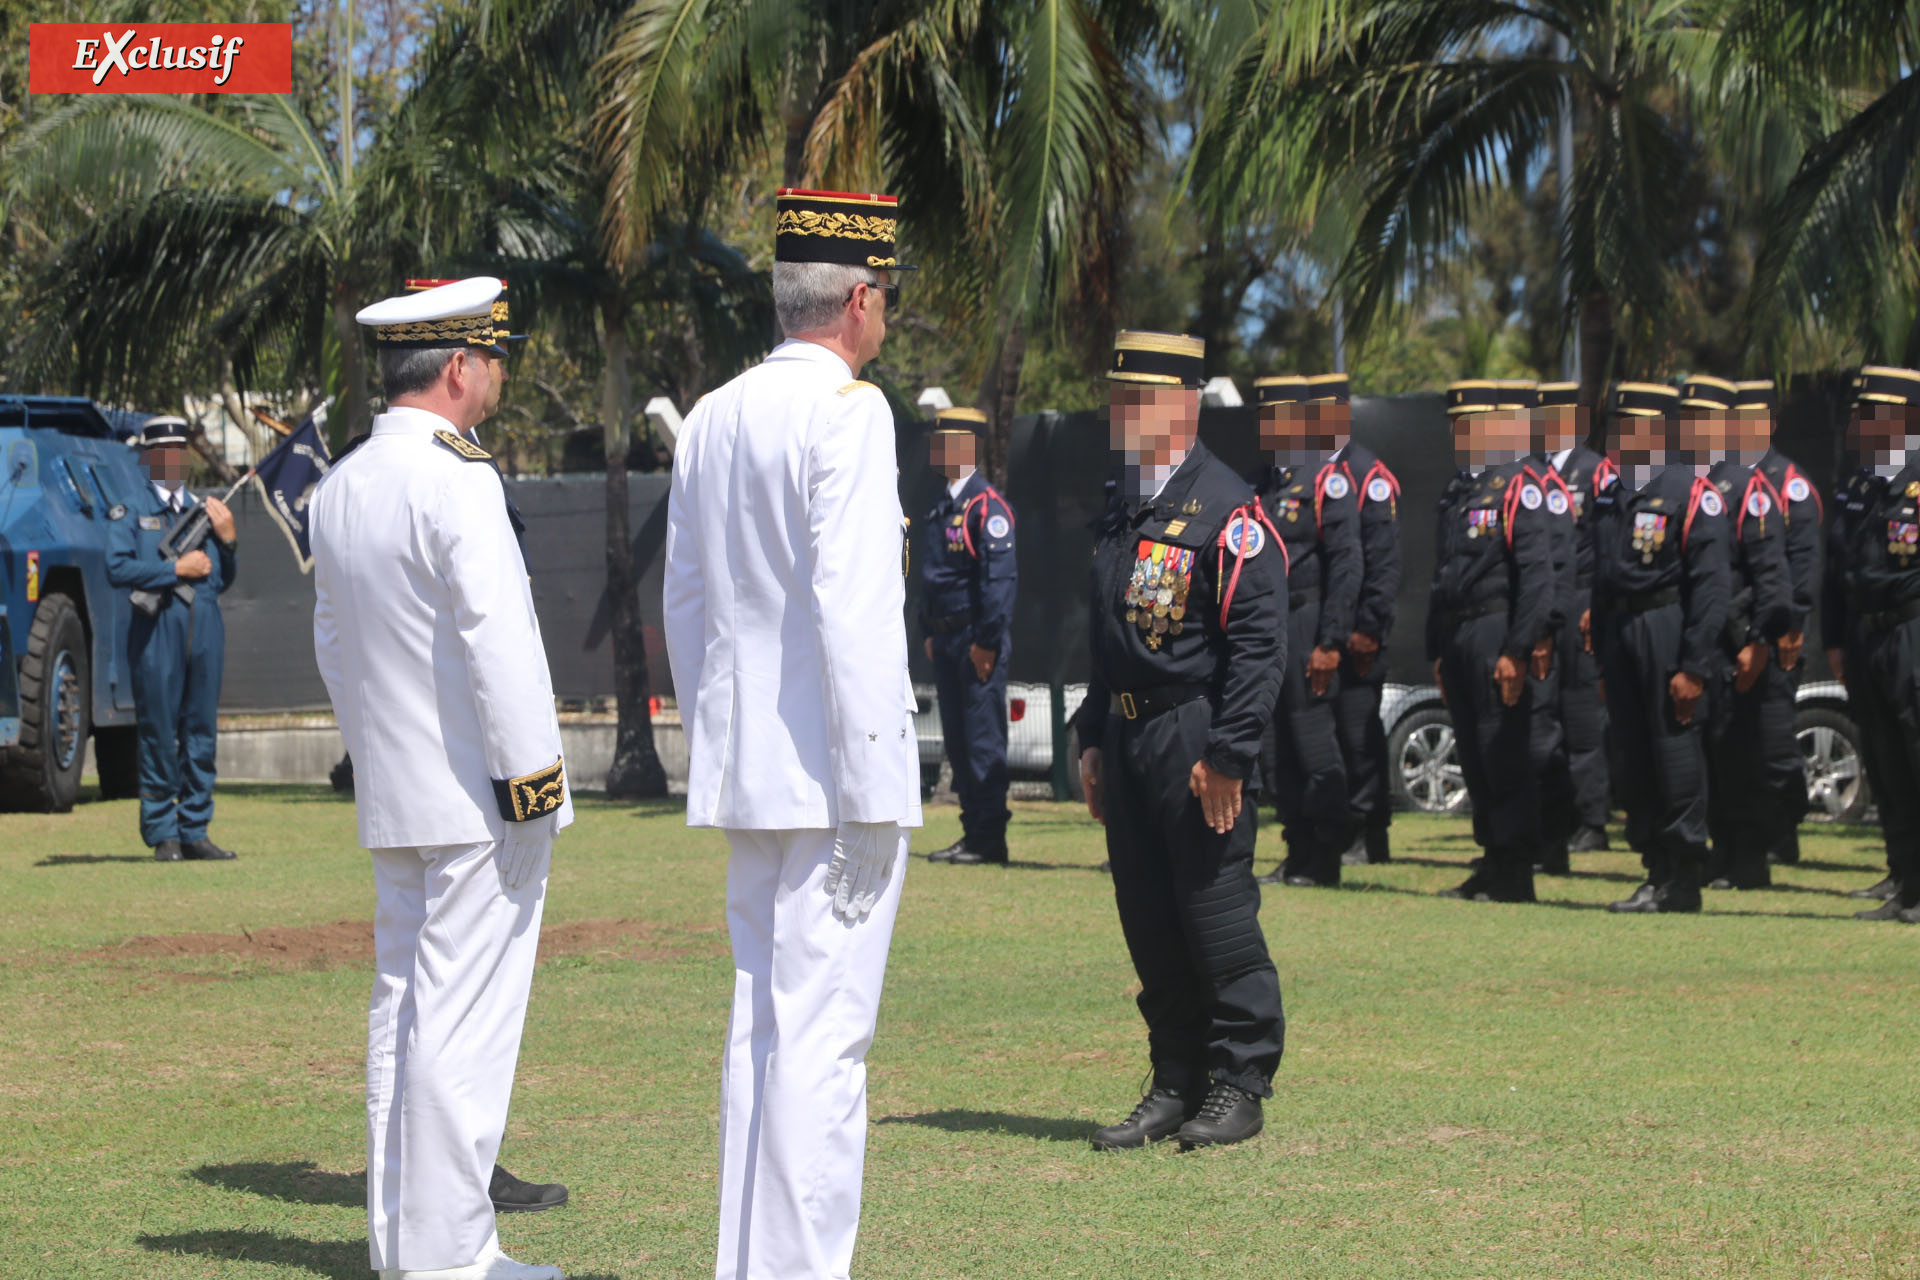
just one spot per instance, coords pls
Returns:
(948, 625)
(1152, 702)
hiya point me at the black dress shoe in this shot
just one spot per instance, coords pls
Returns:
(1588, 840)
(1553, 864)
(1635, 901)
(1229, 1115)
(167, 851)
(1157, 1118)
(1475, 888)
(946, 854)
(204, 850)
(1666, 900)
(1741, 882)
(1276, 876)
(1885, 891)
(976, 856)
(1297, 881)
(1356, 853)
(1786, 851)
(1910, 916)
(1888, 910)
(1105, 868)
(510, 1195)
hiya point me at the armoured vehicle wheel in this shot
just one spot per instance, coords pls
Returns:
(56, 712)
(1424, 763)
(116, 757)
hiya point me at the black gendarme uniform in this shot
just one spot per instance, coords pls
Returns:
(1314, 513)
(1583, 716)
(1363, 738)
(1493, 595)
(1660, 602)
(1759, 609)
(1547, 743)
(1786, 777)
(1188, 634)
(1872, 612)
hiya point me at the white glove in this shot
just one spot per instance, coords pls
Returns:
(863, 858)
(525, 849)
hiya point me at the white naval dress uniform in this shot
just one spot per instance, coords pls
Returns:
(425, 633)
(786, 632)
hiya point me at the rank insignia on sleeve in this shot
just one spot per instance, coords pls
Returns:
(1176, 527)
(533, 795)
(462, 446)
(852, 387)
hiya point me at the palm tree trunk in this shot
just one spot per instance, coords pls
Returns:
(354, 400)
(1596, 352)
(999, 396)
(636, 772)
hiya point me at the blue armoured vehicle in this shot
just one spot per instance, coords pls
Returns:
(64, 675)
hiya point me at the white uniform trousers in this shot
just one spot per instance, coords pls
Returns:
(793, 1085)
(454, 954)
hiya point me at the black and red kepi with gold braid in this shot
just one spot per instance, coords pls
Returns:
(846, 227)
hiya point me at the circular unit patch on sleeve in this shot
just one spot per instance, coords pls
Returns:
(997, 526)
(1245, 537)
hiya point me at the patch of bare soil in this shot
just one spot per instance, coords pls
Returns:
(350, 943)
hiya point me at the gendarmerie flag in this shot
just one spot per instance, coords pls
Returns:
(286, 478)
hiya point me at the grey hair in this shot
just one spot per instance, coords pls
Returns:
(405, 371)
(810, 295)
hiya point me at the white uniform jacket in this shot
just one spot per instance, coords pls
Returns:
(785, 602)
(424, 629)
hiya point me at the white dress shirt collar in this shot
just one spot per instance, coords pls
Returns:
(801, 349)
(955, 486)
(1560, 458)
(168, 496)
(407, 420)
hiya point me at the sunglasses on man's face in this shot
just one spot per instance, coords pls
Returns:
(890, 291)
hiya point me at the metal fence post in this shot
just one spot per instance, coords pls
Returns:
(1057, 700)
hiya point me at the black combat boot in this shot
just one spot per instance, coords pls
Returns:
(1887, 890)
(204, 850)
(947, 854)
(1229, 1115)
(510, 1195)
(1157, 1118)
(167, 851)
(1635, 901)
(1888, 910)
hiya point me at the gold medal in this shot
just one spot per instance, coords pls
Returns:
(1177, 612)
(1177, 627)
(1153, 641)
(1160, 624)
(1133, 615)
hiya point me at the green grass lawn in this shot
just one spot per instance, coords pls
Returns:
(1468, 1091)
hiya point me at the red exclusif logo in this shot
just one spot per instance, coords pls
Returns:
(161, 57)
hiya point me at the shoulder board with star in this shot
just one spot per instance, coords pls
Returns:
(462, 447)
(854, 386)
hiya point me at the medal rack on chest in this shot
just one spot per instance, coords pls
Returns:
(1157, 592)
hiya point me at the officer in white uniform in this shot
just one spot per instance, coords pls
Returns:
(786, 632)
(425, 633)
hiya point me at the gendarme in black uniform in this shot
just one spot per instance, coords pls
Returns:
(1873, 601)
(1312, 510)
(1493, 596)
(1786, 779)
(1660, 602)
(1188, 634)
(1363, 738)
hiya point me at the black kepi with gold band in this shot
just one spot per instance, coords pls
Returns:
(846, 227)
(1554, 395)
(1280, 389)
(1328, 388)
(1885, 384)
(960, 420)
(1713, 394)
(1643, 399)
(1517, 393)
(1472, 395)
(1757, 394)
(463, 313)
(1158, 359)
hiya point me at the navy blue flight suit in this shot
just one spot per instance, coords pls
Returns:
(1363, 738)
(1660, 603)
(1872, 611)
(969, 580)
(1174, 681)
(177, 656)
(1741, 813)
(1494, 594)
(1316, 515)
(1583, 715)
(1779, 688)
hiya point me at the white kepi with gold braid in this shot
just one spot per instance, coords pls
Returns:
(463, 313)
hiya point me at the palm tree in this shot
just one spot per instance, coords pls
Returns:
(1008, 129)
(1407, 112)
(1841, 238)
